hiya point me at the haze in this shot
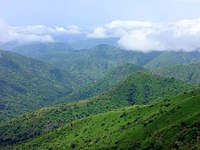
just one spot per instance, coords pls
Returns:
(139, 25)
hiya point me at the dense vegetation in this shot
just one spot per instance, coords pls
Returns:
(138, 88)
(93, 63)
(114, 102)
(169, 124)
(171, 58)
(142, 88)
(27, 84)
(188, 73)
(41, 49)
(89, 65)
(107, 82)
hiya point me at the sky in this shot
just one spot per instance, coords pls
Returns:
(139, 24)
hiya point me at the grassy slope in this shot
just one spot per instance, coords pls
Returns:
(171, 123)
(167, 59)
(27, 84)
(142, 88)
(132, 90)
(188, 73)
(104, 84)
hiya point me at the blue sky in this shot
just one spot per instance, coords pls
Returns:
(139, 24)
(91, 13)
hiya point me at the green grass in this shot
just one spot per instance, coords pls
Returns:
(167, 124)
(107, 120)
(142, 88)
(131, 90)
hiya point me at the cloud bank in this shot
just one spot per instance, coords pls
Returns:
(133, 35)
(148, 36)
(33, 33)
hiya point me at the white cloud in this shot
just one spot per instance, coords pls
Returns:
(138, 40)
(73, 29)
(34, 29)
(60, 29)
(133, 35)
(33, 33)
(4, 31)
(118, 28)
(148, 36)
(98, 32)
(128, 24)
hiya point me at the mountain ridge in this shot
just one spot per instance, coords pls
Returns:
(27, 84)
(139, 127)
(121, 95)
(188, 73)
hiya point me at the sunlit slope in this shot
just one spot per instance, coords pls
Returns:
(138, 88)
(168, 124)
(104, 84)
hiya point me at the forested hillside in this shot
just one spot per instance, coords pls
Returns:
(171, 58)
(87, 64)
(108, 81)
(94, 63)
(28, 84)
(138, 88)
(172, 123)
(188, 73)
(100, 75)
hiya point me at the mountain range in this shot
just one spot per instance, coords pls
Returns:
(168, 124)
(58, 96)
(138, 88)
(28, 84)
(188, 73)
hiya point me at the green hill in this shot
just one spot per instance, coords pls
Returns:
(167, 59)
(90, 42)
(104, 84)
(94, 63)
(138, 88)
(27, 84)
(88, 65)
(142, 88)
(36, 50)
(169, 124)
(188, 73)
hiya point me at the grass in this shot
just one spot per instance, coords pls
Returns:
(126, 93)
(167, 124)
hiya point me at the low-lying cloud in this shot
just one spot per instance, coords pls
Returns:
(33, 33)
(133, 35)
(149, 36)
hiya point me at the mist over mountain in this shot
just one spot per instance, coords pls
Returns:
(144, 36)
(100, 75)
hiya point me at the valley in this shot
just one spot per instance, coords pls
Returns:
(100, 75)
(56, 97)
